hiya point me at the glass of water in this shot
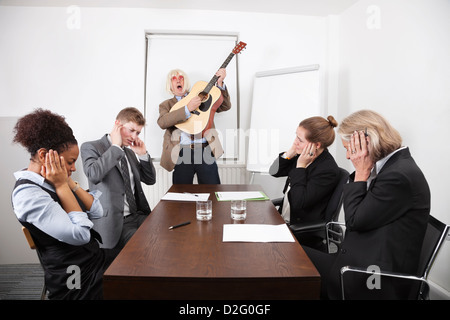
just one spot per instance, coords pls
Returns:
(204, 210)
(238, 209)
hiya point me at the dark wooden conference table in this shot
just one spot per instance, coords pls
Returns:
(193, 263)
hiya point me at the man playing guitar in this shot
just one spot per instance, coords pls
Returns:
(189, 154)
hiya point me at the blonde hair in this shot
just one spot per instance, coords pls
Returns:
(174, 73)
(383, 137)
(320, 130)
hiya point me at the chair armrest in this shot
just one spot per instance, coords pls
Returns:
(308, 226)
(335, 223)
(277, 201)
(329, 228)
(337, 234)
(384, 274)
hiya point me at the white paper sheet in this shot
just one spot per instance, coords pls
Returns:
(256, 233)
(174, 196)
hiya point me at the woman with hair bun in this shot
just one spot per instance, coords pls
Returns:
(311, 170)
(56, 210)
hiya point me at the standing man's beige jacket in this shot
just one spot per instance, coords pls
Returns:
(171, 142)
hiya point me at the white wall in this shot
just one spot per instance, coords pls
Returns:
(90, 73)
(399, 66)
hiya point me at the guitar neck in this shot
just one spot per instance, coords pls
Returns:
(213, 81)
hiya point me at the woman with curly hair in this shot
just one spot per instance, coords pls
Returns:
(56, 210)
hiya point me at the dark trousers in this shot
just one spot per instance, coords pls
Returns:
(323, 263)
(356, 286)
(130, 225)
(198, 160)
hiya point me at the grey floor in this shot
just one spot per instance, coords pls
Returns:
(21, 281)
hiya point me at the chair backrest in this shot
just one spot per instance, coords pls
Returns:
(335, 202)
(32, 245)
(30, 241)
(434, 237)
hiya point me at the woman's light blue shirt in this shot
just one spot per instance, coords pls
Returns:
(33, 205)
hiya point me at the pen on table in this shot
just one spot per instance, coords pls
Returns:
(193, 194)
(179, 225)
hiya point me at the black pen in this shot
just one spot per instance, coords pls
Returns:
(192, 194)
(179, 225)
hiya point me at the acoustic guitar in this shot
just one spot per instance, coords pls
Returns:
(202, 118)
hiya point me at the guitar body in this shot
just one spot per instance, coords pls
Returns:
(202, 118)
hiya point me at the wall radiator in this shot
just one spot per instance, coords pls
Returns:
(229, 174)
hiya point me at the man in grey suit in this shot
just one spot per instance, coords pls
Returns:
(111, 165)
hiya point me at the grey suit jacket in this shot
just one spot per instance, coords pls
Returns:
(102, 168)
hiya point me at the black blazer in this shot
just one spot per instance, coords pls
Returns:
(385, 225)
(311, 187)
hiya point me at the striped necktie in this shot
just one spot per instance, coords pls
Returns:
(126, 179)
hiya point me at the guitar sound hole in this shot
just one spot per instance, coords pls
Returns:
(204, 106)
(204, 96)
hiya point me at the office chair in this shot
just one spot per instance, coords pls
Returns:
(434, 237)
(317, 230)
(32, 245)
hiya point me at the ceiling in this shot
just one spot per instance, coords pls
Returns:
(300, 7)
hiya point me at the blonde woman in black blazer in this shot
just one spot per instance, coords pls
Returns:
(386, 205)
